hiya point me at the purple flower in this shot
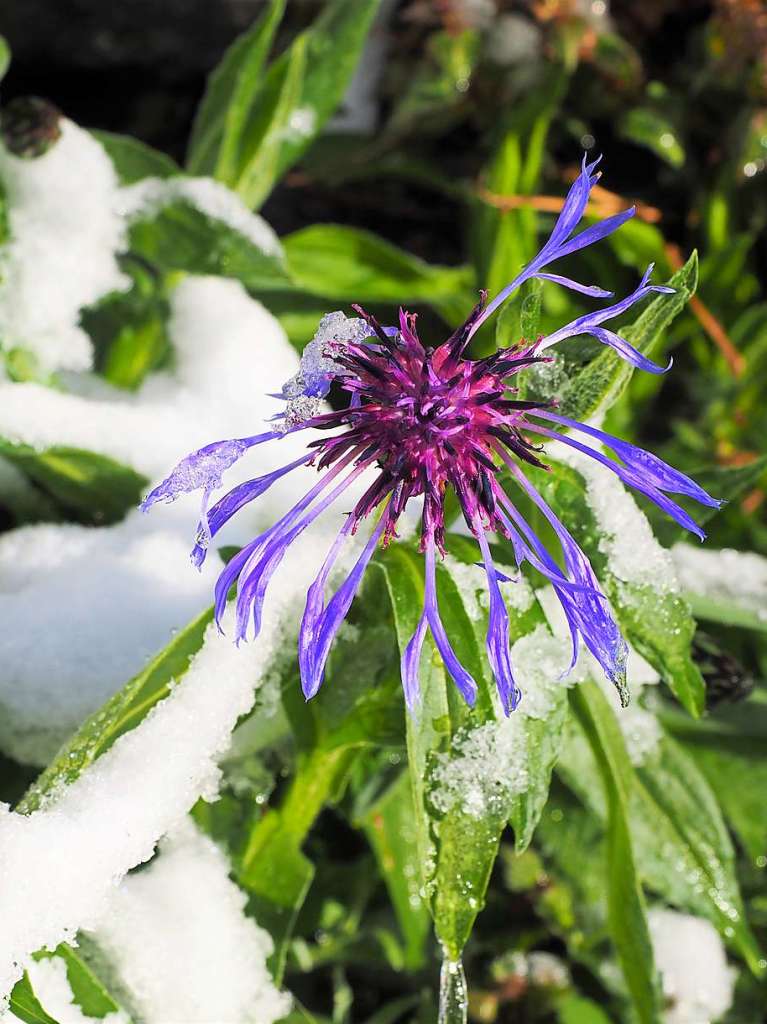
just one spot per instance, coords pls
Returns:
(422, 421)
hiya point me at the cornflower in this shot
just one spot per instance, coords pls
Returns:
(423, 421)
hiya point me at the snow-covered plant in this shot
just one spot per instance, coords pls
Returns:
(174, 804)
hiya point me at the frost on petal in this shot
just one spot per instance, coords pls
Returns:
(304, 391)
(202, 470)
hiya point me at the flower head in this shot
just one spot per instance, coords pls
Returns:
(424, 421)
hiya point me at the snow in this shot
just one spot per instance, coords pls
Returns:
(736, 578)
(50, 984)
(193, 960)
(697, 981)
(485, 769)
(150, 195)
(66, 649)
(230, 354)
(60, 864)
(66, 229)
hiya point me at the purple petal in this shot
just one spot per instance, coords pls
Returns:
(232, 502)
(576, 286)
(462, 679)
(410, 662)
(595, 233)
(647, 466)
(628, 352)
(498, 651)
(631, 477)
(335, 613)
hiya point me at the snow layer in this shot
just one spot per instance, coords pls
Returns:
(150, 195)
(65, 228)
(177, 934)
(65, 649)
(60, 865)
(697, 981)
(736, 578)
(82, 610)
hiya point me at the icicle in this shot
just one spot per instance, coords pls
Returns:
(453, 997)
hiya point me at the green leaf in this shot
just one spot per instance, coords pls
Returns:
(269, 123)
(543, 738)
(647, 127)
(181, 237)
(230, 92)
(682, 849)
(575, 1009)
(727, 613)
(5, 57)
(25, 1005)
(90, 487)
(600, 383)
(87, 990)
(728, 746)
(353, 265)
(686, 851)
(128, 330)
(626, 907)
(457, 848)
(390, 829)
(302, 88)
(121, 713)
(134, 160)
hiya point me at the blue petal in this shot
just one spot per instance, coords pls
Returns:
(462, 679)
(498, 651)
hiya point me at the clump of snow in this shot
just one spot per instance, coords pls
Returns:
(697, 981)
(734, 577)
(186, 959)
(150, 195)
(65, 649)
(66, 229)
(486, 768)
(61, 863)
(541, 662)
(48, 977)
